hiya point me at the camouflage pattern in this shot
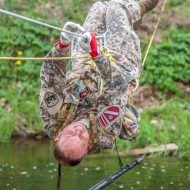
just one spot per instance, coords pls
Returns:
(59, 87)
(53, 92)
(147, 5)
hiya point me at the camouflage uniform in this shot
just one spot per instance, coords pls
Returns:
(59, 87)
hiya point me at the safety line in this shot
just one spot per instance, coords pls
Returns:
(149, 46)
(154, 33)
(9, 13)
(38, 22)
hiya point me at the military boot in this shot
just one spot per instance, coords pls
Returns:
(147, 5)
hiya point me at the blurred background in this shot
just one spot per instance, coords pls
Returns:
(163, 100)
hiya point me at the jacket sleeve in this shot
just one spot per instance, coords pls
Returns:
(114, 82)
(53, 72)
(52, 93)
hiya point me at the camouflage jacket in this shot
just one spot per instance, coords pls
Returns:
(68, 86)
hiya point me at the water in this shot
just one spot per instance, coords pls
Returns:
(31, 166)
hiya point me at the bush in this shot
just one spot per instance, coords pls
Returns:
(174, 3)
(168, 62)
(20, 81)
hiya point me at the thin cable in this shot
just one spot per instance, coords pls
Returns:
(38, 22)
(118, 156)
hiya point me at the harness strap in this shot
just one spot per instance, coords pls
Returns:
(65, 116)
(93, 127)
(62, 116)
(71, 115)
(93, 146)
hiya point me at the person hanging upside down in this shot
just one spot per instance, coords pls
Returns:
(86, 109)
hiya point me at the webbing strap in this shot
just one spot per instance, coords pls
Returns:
(62, 114)
(93, 127)
(70, 115)
(93, 148)
(65, 116)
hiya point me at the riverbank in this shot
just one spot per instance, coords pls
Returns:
(32, 166)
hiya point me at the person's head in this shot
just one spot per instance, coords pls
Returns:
(71, 144)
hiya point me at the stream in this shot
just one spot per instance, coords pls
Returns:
(29, 165)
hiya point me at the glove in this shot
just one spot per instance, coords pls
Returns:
(89, 44)
(67, 38)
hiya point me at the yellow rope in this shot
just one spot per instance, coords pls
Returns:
(153, 35)
(149, 45)
(44, 58)
(101, 87)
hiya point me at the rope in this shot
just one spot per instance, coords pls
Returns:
(59, 177)
(101, 87)
(44, 58)
(154, 33)
(149, 45)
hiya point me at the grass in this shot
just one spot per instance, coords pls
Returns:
(20, 81)
(168, 61)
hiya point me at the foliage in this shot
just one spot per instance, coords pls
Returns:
(20, 81)
(174, 3)
(168, 61)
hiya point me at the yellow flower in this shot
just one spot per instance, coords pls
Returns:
(18, 62)
(19, 53)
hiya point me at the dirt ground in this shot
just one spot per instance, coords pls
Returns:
(172, 16)
(176, 16)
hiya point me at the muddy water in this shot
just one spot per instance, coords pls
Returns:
(30, 166)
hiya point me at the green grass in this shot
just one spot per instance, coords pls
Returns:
(20, 109)
(168, 61)
(166, 124)
(20, 84)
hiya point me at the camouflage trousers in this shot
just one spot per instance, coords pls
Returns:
(116, 18)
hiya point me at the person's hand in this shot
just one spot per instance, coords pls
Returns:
(89, 44)
(67, 38)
